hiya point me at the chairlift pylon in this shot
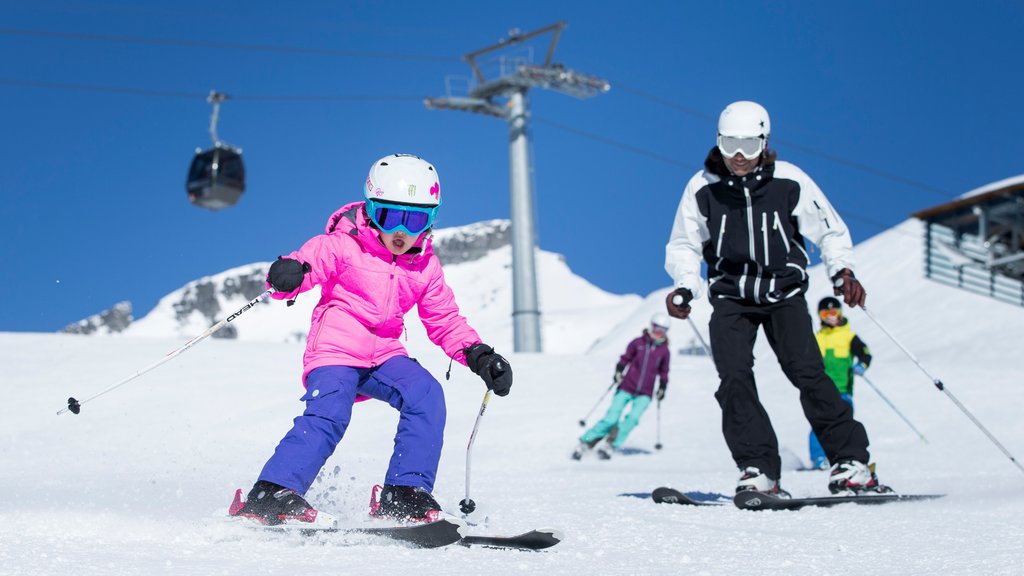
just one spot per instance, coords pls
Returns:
(216, 177)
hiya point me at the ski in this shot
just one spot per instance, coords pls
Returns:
(427, 535)
(749, 500)
(442, 532)
(665, 495)
(421, 535)
(533, 540)
(673, 496)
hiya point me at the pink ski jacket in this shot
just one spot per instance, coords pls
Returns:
(366, 291)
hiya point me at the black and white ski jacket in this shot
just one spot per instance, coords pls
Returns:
(750, 230)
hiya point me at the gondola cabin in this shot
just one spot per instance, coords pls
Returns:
(216, 178)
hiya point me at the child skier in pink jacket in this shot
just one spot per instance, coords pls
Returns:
(373, 264)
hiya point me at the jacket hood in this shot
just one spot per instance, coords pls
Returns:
(352, 219)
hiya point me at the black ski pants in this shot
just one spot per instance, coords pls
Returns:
(745, 424)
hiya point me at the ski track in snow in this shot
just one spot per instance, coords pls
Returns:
(139, 482)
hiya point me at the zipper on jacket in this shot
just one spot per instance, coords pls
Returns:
(387, 307)
(320, 328)
(782, 231)
(764, 237)
(821, 214)
(750, 235)
(750, 222)
(721, 235)
(643, 367)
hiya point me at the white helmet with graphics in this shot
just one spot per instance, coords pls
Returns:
(403, 179)
(743, 127)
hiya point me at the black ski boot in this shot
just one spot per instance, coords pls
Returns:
(406, 503)
(271, 505)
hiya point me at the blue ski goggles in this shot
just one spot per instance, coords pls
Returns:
(391, 217)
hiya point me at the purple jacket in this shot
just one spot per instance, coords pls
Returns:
(644, 359)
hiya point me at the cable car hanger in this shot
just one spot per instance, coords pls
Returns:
(216, 177)
(216, 98)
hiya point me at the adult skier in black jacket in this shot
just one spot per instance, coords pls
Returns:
(747, 216)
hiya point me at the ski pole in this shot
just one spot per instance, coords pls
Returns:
(938, 384)
(583, 421)
(891, 405)
(657, 443)
(75, 406)
(467, 505)
(701, 338)
(678, 301)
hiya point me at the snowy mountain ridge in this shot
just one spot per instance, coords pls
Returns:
(477, 263)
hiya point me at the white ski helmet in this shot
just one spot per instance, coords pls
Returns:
(744, 119)
(403, 179)
(661, 321)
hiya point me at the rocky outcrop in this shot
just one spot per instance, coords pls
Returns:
(111, 321)
(209, 296)
(469, 243)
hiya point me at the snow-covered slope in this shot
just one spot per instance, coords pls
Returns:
(138, 482)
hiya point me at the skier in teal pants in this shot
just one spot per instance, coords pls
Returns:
(646, 358)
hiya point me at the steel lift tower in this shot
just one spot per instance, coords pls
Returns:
(505, 97)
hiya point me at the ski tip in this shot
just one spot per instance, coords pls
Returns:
(666, 495)
(536, 539)
(554, 533)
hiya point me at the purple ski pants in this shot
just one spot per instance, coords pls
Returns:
(330, 394)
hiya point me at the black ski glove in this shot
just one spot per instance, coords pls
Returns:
(618, 373)
(491, 366)
(681, 309)
(660, 394)
(286, 274)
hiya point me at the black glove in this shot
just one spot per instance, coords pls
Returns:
(286, 274)
(678, 303)
(618, 374)
(660, 394)
(845, 284)
(491, 366)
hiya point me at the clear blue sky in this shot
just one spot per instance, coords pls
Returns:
(890, 106)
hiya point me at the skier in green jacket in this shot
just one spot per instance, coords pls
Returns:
(844, 354)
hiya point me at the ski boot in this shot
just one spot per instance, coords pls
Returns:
(853, 478)
(753, 480)
(583, 448)
(608, 446)
(405, 503)
(272, 505)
